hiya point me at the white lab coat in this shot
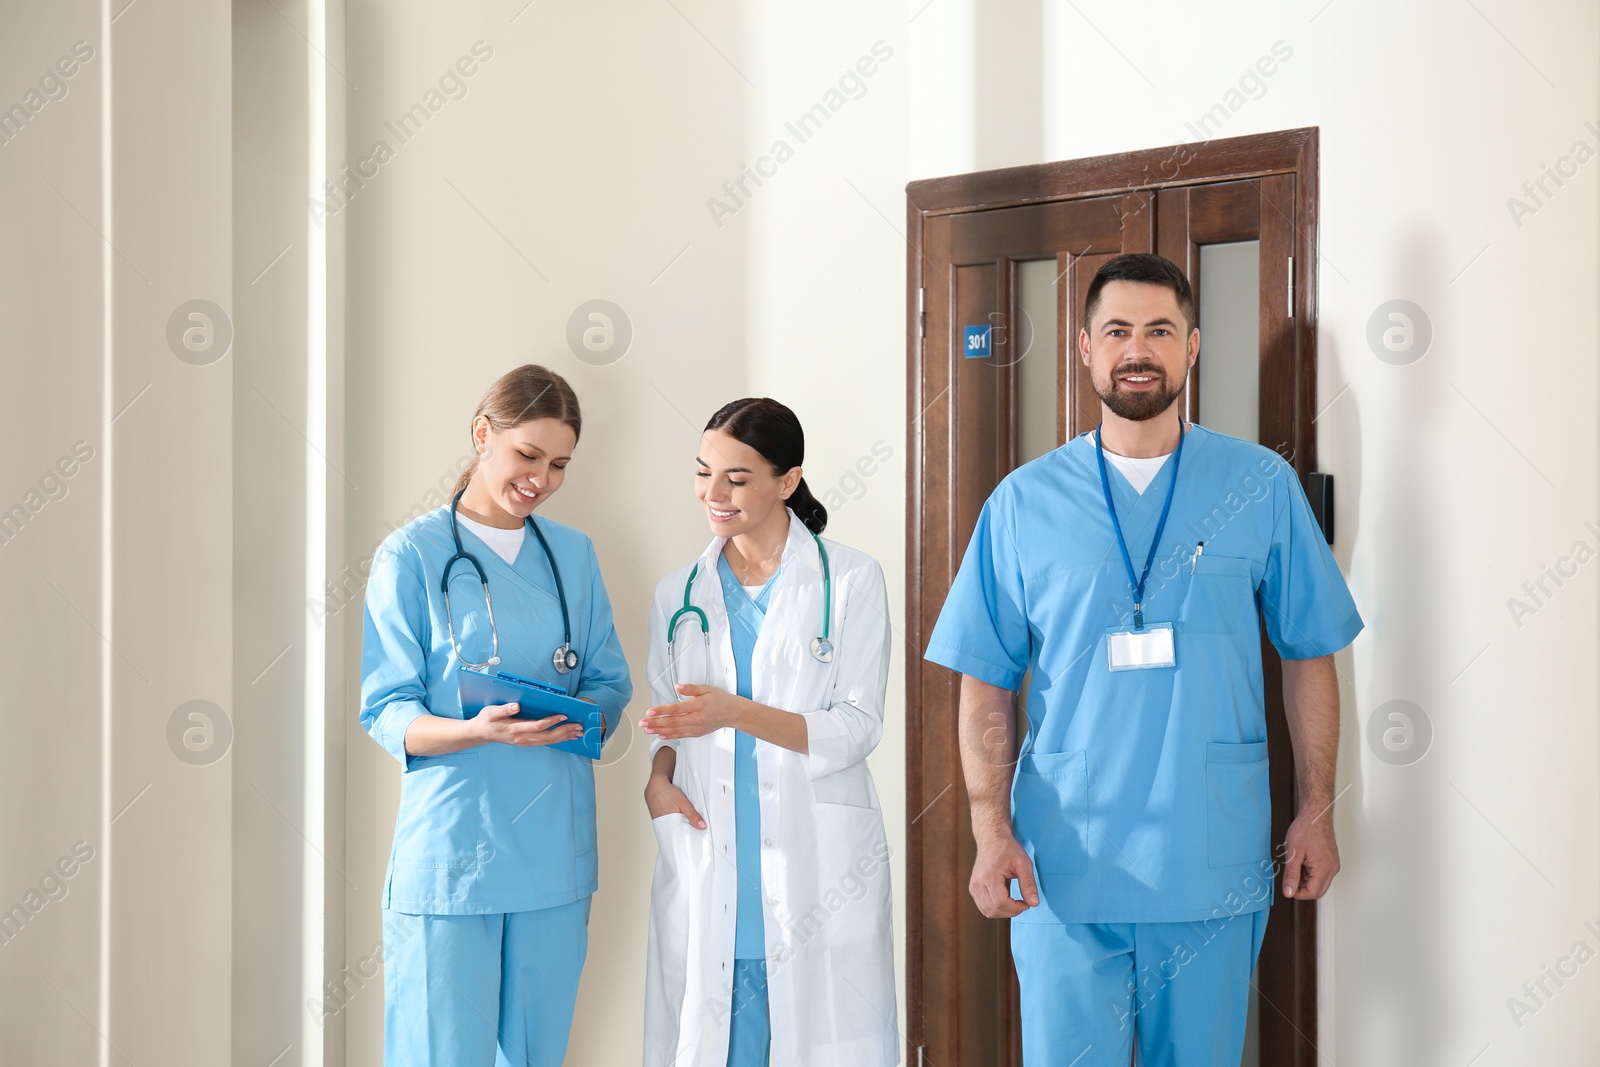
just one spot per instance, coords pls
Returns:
(824, 857)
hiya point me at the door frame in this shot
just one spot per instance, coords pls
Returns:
(938, 988)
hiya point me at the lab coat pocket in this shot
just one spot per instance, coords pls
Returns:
(680, 893)
(852, 853)
(852, 912)
(1050, 811)
(851, 787)
(1220, 598)
(674, 861)
(1238, 803)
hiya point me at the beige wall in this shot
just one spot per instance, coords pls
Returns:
(117, 201)
(1459, 475)
(53, 664)
(167, 752)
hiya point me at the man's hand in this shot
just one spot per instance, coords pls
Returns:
(1311, 704)
(997, 863)
(988, 719)
(1311, 856)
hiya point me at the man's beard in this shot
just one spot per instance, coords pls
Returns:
(1141, 406)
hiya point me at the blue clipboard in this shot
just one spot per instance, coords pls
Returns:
(537, 701)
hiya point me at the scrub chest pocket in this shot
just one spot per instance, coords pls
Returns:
(1050, 811)
(1238, 804)
(1220, 598)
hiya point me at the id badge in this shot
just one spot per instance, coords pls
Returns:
(1138, 650)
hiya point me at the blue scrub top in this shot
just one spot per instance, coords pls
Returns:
(493, 828)
(1142, 795)
(745, 616)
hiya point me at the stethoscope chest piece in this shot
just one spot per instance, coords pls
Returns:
(822, 649)
(565, 660)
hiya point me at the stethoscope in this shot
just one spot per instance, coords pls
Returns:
(821, 647)
(564, 659)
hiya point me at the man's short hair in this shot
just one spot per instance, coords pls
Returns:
(1148, 270)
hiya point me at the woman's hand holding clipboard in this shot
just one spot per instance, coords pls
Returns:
(535, 700)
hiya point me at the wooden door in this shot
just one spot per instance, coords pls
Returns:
(968, 235)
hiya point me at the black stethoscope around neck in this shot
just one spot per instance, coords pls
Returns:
(564, 659)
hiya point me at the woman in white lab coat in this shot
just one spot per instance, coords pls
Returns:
(770, 915)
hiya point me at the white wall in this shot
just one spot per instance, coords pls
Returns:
(578, 166)
(1460, 475)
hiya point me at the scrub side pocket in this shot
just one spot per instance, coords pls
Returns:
(580, 775)
(1050, 811)
(439, 825)
(1238, 804)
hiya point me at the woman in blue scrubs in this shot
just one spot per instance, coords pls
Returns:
(486, 901)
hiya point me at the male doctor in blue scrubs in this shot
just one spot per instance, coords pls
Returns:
(1131, 570)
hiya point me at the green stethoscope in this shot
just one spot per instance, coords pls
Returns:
(821, 647)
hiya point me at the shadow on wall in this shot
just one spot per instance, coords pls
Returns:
(1392, 936)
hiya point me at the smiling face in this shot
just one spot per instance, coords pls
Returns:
(736, 486)
(521, 467)
(1138, 349)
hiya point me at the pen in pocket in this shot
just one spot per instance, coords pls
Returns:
(1199, 547)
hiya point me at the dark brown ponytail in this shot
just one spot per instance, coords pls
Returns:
(773, 430)
(529, 392)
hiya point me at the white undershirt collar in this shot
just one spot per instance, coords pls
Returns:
(506, 543)
(1140, 472)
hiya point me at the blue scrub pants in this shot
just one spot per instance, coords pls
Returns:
(1180, 990)
(482, 990)
(750, 1034)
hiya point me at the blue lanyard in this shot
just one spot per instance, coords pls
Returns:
(1105, 484)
